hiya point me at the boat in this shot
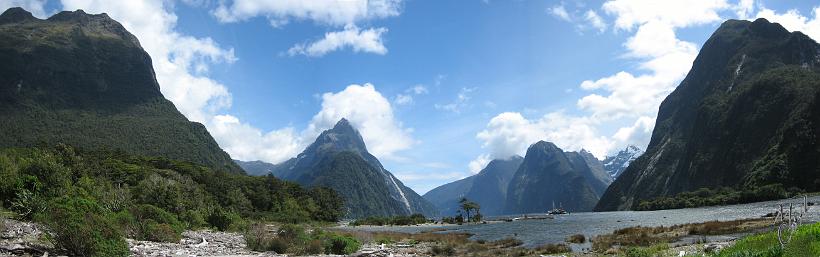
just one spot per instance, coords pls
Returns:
(557, 211)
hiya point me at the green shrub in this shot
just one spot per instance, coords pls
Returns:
(226, 221)
(340, 244)
(148, 222)
(77, 226)
(193, 219)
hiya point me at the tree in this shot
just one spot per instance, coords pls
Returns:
(468, 206)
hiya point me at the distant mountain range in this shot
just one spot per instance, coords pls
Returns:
(549, 175)
(84, 80)
(530, 184)
(338, 159)
(488, 188)
(746, 117)
(616, 164)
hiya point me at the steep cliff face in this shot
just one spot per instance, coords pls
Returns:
(338, 159)
(84, 80)
(548, 175)
(746, 116)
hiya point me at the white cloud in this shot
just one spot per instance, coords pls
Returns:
(560, 12)
(462, 101)
(479, 163)
(368, 41)
(792, 20)
(35, 7)
(402, 99)
(406, 98)
(744, 8)
(638, 134)
(510, 134)
(330, 12)
(675, 13)
(370, 113)
(245, 142)
(582, 21)
(418, 89)
(181, 62)
(595, 20)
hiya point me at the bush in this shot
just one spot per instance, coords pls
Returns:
(77, 226)
(226, 221)
(576, 239)
(442, 250)
(343, 245)
(258, 238)
(155, 224)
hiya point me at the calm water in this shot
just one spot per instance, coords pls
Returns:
(536, 232)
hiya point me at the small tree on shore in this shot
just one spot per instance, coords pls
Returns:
(468, 207)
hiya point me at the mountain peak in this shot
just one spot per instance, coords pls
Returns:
(97, 24)
(15, 14)
(342, 137)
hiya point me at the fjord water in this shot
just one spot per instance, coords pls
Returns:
(590, 224)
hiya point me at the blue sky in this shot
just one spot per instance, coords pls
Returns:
(440, 87)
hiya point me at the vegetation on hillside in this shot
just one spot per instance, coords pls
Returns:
(91, 200)
(722, 196)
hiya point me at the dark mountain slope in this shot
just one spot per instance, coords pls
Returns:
(84, 80)
(338, 159)
(548, 175)
(745, 117)
(490, 185)
(446, 197)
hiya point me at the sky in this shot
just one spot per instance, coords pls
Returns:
(436, 88)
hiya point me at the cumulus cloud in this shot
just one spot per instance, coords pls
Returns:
(509, 134)
(35, 7)
(479, 163)
(370, 112)
(368, 41)
(675, 13)
(331, 13)
(245, 142)
(794, 21)
(325, 12)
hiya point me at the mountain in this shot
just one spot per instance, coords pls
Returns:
(84, 80)
(256, 168)
(616, 164)
(446, 197)
(490, 185)
(549, 175)
(488, 188)
(338, 159)
(746, 117)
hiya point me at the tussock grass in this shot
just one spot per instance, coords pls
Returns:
(649, 236)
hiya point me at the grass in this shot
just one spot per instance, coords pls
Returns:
(458, 244)
(650, 236)
(805, 242)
